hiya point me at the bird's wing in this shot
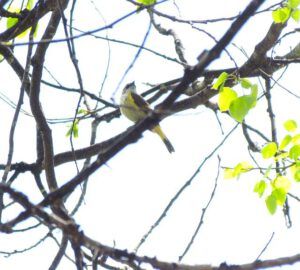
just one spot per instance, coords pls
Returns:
(140, 102)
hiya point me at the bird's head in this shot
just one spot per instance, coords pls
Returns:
(129, 87)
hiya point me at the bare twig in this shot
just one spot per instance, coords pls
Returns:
(170, 32)
(182, 189)
(206, 21)
(39, 242)
(15, 118)
(123, 256)
(133, 60)
(201, 221)
(36, 109)
(60, 253)
(265, 247)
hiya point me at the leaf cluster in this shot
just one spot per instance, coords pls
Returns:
(289, 10)
(229, 100)
(275, 188)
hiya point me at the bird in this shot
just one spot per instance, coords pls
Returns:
(136, 108)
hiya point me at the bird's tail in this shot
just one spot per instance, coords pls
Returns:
(157, 129)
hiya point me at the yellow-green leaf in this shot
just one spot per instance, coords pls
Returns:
(285, 141)
(29, 4)
(10, 22)
(295, 171)
(293, 3)
(280, 196)
(73, 129)
(282, 182)
(235, 172)
(269, 150)
(226, 96)
(146, 2)
(281, 15)
(296, 139)
(245, 83)
(240, 107)
(290, 125)
(253, 95)
(296, 15)
(246, 166)
(229, 173)
(271, 203)
(297, 175)
(220, 81)
(294, 152)
(260, 188)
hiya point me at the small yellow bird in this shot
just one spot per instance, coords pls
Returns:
(136, 108)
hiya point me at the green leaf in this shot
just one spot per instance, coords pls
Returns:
(296, 139)
(297, 175)
(280, 196)
(285, 141)
(294, 152)
(146, 2)
(269, 150)
(281, 15)
(244, 166)
(29, 4)
(271, 203)
(282, 182)
(260, 188)
(226, 96)
(295, 171)
(245, 83)
(296, 15)
(253, 95)
(220, 81)
(293, 3)
(229, 173)
(73, 129)
(82, 111)
(290, 125)
(10, 22)
(235, 172)
(240, 107)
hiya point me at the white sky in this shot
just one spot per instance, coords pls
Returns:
(127, 195)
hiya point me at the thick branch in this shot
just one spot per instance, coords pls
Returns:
(38, 62)
(258, 58)
(123, 256)
(257, 63)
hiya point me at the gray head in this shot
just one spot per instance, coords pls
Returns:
(130, 87)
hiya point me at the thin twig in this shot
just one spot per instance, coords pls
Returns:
(133, 60)
(181, 190)
(212, 195)
(59, 255)
(40, 241)
(265, 247)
